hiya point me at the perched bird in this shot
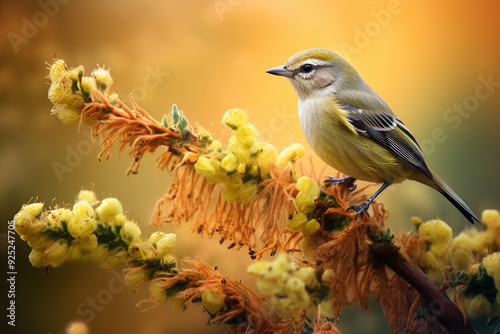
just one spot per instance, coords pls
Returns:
(353, 130)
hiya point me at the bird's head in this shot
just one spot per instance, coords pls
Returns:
(317, 72)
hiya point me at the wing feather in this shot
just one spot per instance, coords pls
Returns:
(391, 133)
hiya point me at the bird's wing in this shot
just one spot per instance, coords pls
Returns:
(389, 131)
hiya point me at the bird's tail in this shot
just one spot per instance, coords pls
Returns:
(443, 188)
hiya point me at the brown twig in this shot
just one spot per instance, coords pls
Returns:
(439, 304)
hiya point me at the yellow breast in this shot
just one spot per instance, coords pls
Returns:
(341, 147)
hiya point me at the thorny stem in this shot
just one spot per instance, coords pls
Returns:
(443, 308)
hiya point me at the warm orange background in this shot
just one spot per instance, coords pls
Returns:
(422, 58)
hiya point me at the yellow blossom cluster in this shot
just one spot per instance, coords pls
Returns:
(472, 257)
(91, 230)
(246, 161)
(69, 89)
(437, 234)
(287, 283)
(305, 200)
(481, 297)
(472, 244)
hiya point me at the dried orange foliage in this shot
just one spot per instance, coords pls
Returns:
(358, 273)
(131, 127)
(245, 310)
(191, 198)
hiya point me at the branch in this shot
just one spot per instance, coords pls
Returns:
(440, 305)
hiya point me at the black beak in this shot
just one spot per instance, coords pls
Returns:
(281, 71)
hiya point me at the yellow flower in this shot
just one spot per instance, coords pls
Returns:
(311, 227)
(295, 288)
(297, 223)
(82, 222)
(135, 250)
(166, 245)
(61, 91)
(113, 98)
(242, 168)
(308, 276)
(436, 231)
(136, 277)
(155, 237)
(37, 240)
(130, 232)
(417, 221)
(65, 113)
(492, 265)
(229, 163)
(83, 209)
(33, 209)
(103, 78)
(26, 217)
(247, 191)
(430, 260)
(308, 186)
(57, 253)
(36, 257)
(232, 188)
(87, 195)
(291, 154)
(57, 70)
(235, 118)
(158, 291)
(476, 306)
(115, 257)
(212, 301)
(109, 209)
(327, 275)
(305, 203)
(210, 169)
(76, 73)
(168, 259)
(88, 242)
(215, 146)
(119, 220)
(176, 304)
(266, 157)
(88, 85)
(491, 218)
(74, 252)
(247, 135)
(460, 253)
(100, 253)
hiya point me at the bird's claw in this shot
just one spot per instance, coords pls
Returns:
(359, 209)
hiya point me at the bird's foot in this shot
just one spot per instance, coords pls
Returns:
(359, 209)
(348, 180)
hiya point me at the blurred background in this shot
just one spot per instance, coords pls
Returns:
(436, 64)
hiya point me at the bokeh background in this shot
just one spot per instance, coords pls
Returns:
(422, 57)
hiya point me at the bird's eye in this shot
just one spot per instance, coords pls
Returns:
(307, 68)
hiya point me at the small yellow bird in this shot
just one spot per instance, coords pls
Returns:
(353, 130)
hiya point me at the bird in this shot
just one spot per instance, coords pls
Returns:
(353, 130)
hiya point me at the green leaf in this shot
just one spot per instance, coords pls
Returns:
(174, 114)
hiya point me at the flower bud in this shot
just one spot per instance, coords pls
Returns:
(166, 245)
(158, 292)
(212, 301)
(36, 257)
(109, 209)
(235, 118)
(87, 195)
(130, 232)
(57, 253)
